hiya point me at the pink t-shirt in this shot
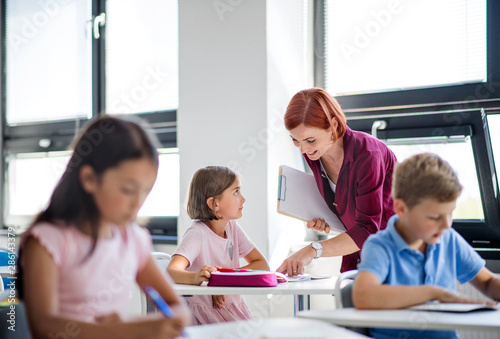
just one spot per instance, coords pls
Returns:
(102, 283)
(201, 246)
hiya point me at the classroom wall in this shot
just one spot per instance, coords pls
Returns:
(237, 74)
(289, 70)
(222, 103)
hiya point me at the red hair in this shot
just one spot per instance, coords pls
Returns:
(314, 107)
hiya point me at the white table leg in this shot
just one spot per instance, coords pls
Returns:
(301, 302)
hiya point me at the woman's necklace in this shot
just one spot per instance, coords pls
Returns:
(328, 171)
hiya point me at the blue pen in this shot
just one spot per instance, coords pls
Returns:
(160, 303)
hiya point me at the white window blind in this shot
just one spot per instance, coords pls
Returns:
(377, 46)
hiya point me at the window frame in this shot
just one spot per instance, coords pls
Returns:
(447, 107)
(26, 137)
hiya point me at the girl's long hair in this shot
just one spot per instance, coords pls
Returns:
(103, 144)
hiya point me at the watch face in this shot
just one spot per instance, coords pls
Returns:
(318, 247)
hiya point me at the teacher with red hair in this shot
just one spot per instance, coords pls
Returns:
(353, 172)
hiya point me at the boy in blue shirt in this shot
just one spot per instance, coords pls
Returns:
(418, 257)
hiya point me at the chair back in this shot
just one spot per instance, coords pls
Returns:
(162, 259)
(343, 289)
(343, 297)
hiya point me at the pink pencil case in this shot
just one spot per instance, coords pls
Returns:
(249, 279)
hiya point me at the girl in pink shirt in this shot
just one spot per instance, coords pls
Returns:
(82, 255)
(213, 240)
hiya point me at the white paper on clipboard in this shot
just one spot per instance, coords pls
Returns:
(299, 197)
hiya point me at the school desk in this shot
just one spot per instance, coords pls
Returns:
(271, 328)
(409, 319)
(300, 289)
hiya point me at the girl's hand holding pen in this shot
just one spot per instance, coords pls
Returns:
(176, 322)
(113, 318)
(204, 274)
(155, 326)
(162, 327)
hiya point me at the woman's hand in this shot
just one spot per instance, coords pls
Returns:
(318, 224)
(203, 274)
(218, 301)
(295, 264)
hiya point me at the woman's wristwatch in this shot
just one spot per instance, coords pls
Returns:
(318, 247)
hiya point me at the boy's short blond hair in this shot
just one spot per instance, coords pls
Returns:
(425, 176)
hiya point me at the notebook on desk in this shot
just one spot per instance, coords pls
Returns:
(299, 197)
(454, 307)
(307, 276)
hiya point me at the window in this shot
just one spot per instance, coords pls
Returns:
(142, 44)
(390, 53)
(67, 62)
(163, 201)
(462, 139)
(393, 45)
(458, 153)
(423, 76)
(27, 193)
(48, 59)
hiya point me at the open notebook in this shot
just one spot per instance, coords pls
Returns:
(307, 276)
(454, 307)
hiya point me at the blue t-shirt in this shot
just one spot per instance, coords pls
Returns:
(389, 257)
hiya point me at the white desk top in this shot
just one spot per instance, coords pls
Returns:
(271, 328)
(409, 319)
(317, 286)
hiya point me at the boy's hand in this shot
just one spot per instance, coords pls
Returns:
(218, 301)
(446, 296)
(203, 274)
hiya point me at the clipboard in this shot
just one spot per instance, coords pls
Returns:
(299, 197)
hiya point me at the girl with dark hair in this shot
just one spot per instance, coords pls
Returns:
(353, 172)
(80, 258)
(214, 239)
